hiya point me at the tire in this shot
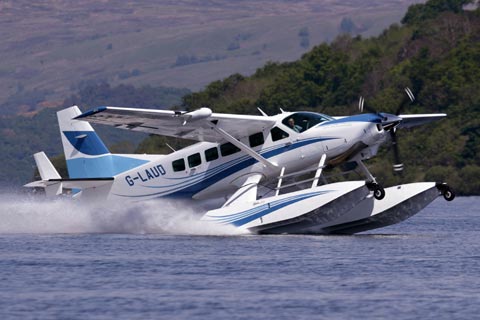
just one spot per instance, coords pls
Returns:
(379, 193)
(448, 194)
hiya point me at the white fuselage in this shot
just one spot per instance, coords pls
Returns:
(196, 172)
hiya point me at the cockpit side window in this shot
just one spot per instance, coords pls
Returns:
(302, 121)
(278, 134)
(292, 124)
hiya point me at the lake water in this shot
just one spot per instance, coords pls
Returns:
(59, 260)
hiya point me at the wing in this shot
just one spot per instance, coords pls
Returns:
(195, 125)
(413, 120)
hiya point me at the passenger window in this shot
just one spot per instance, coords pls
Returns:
(227, 149)
(278, 134)
(211, 154)
(194, 160)
(256, 139)
(178, 165)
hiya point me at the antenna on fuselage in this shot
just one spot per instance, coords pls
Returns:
(262, 112)
(171, 148)
(281, 110)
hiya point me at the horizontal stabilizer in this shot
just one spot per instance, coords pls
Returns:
(54, 187)
(51, 188)
(72, 183)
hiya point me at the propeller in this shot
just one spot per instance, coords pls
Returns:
(398, 165)
(390, 122)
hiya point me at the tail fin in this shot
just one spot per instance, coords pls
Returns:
(45, 167)
(85, 153)
(78, 137)
(47, 172)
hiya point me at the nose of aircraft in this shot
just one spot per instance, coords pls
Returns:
(389, 120)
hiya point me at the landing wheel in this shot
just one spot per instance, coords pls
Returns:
(446, 191)
(378, 192)
(448, 194)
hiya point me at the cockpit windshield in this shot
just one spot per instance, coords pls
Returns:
(302, 121)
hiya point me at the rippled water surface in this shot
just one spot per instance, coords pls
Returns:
(59, 260)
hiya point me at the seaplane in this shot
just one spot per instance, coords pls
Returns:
(268, 170)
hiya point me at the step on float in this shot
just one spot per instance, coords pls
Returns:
(293, 212)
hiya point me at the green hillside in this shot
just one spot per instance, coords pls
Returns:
(436, 52)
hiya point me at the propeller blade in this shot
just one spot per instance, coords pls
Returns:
(410, 96)
(363, 106)
(397, 166)
(361, 101)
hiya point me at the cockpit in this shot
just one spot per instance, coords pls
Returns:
(302, 121)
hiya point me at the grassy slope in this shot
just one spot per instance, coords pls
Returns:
(50, 48)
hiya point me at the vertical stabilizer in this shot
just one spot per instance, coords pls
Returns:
(78, 137)
(85, 153)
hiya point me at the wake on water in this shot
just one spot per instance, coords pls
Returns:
(21, 213)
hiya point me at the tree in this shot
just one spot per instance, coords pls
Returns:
(431, 9)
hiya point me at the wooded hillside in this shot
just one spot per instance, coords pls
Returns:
(436, 53)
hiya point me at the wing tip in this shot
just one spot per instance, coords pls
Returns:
(91, 112)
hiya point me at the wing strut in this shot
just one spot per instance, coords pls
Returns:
(244, 148)
(321, 164)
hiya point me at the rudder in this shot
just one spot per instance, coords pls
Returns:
(85, 153)
(78, 137)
